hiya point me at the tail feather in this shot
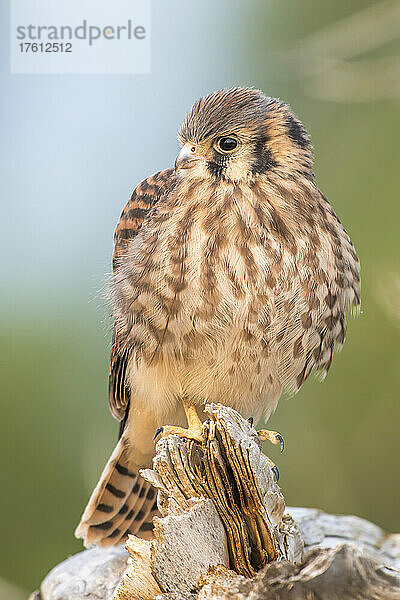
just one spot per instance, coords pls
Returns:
(141, 523)
(121, 503)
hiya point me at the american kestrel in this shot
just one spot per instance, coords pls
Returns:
(232, 277)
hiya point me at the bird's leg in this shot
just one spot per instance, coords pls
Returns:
(193, 432)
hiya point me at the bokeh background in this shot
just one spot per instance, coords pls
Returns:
(73, 147)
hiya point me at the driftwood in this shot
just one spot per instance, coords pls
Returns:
(224, 533)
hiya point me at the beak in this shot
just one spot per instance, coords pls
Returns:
(186, 159)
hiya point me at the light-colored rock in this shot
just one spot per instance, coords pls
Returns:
(340, 573)
(93, 574)
(321, 530)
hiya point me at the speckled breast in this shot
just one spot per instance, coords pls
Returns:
(241, 278)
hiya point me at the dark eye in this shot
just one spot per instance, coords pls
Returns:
(227, 144)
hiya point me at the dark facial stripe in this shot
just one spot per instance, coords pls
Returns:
(146, 527)
(296, 132)
(216, 169)
(263, 159)
(115, 491)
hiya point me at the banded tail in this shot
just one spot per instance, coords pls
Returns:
(121, 503)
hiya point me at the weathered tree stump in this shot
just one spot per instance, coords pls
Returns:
(230, 469)
(224, 534)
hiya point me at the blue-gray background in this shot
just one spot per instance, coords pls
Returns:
(71, 150)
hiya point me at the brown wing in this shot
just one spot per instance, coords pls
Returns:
(143, 199)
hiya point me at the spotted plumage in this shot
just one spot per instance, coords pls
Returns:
(232, 279)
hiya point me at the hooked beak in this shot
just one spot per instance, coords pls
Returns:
(186, 159)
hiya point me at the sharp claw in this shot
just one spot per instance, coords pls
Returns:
(281, 441)
(157, 433)
(250, 420)
(276, 471)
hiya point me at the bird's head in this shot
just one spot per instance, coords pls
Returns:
(239, 134)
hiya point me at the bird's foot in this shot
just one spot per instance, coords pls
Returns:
(194, 430)
(190, 434)
(275, 438)
(271, 436)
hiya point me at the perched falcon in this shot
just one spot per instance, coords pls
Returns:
(232, 279)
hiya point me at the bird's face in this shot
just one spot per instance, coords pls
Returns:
(231, 155)
(240, 134)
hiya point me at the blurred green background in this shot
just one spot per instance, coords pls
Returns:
(73, 148)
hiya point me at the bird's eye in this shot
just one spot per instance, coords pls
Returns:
(226, 144)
